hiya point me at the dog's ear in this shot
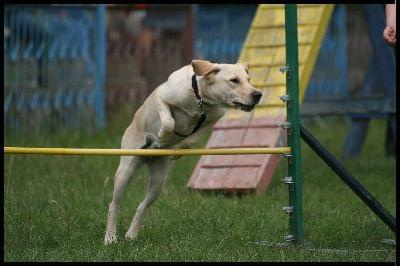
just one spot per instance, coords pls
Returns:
(204, 67)
(245, 65)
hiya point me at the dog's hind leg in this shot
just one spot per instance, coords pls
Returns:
(125, 171)
(158, 171)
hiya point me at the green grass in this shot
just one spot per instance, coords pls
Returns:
(55, 207)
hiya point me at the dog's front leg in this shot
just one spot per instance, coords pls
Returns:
(158, 171)
(167, 121)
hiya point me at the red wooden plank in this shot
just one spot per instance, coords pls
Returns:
(262, 137)
(267, 120)
(247, 126)
(267, 173)
(240, 173)
(241, 178)
(216, 160)
(231, 122)
(211, 178)
(250, 159)
(226, 138)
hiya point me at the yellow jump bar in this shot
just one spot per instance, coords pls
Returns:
(146, 152)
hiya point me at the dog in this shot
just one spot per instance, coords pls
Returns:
(174, 115)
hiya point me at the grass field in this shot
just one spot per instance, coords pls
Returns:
(55, 207)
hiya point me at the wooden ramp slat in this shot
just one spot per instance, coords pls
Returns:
(264, 51)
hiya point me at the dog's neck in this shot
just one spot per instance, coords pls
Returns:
(200, 92)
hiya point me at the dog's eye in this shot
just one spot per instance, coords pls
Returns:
(235, 80)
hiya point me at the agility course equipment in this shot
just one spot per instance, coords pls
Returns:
(145, 152)
(264, 51)
(348, 178)
(294, 131)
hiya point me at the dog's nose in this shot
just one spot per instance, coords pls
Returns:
(256, 96)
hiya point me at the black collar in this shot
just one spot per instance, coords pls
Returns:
(196, 88)
(200, 102)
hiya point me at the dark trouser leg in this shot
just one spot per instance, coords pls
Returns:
(390, 142)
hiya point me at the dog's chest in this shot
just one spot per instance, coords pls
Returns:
(184, 121)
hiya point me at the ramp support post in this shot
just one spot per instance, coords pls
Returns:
(349, 179)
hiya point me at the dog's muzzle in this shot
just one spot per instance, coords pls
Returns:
(244, 107)
(249, 107)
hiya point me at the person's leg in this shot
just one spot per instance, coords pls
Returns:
(359, 124)
(385, 60)
(390, 142)
(380, 77)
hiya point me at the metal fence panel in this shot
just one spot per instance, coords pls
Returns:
(329, 74)
(51, 66)
(220, 31)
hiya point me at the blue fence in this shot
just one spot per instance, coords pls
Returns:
(220, 31)
(329, 74)
(54, 60)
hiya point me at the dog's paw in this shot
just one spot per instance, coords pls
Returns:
(165, 133)
(110, 238)
(130, 236)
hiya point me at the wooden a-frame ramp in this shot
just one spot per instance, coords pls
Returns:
(264, 51)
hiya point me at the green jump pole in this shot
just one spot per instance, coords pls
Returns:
(295, 208)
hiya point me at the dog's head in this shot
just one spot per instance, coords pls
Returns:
(226, 85)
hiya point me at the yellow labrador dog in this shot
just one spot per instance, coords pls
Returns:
(174, 115)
